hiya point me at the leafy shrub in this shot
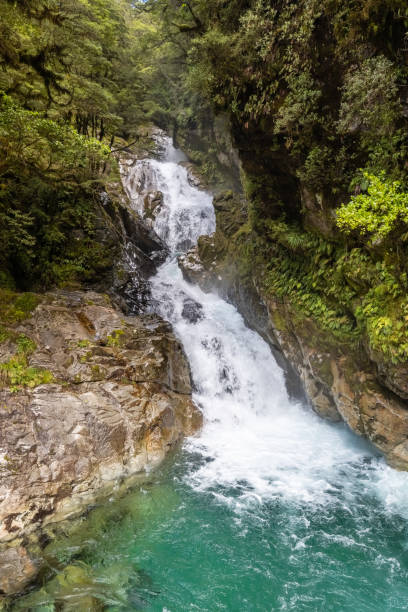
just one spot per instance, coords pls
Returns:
(370, 98)
(377, 214)
(25, 345)
(16, 307)
(47, 173)
(114, 338)
(17, 374)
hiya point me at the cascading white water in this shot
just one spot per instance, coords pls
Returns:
(186, 213)
(256, 444)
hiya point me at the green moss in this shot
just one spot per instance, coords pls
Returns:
(374, 306)
(25, 345)
(17, 374)
(5, 334)
(114, 339)
(15, 307)
(96, 372)
(279, 320)
(83, 261)
(83, 343)
(6, 280)
(87, 357)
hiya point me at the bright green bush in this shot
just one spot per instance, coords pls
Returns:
(382, 211)
(17, 374)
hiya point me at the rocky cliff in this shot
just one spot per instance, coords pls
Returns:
(313, 96)
(94, 392)
(89, 399)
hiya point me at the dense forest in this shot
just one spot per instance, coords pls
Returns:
(316, 94)
(73, 78)
(315, 97)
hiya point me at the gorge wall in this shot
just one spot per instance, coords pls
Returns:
(341, 378)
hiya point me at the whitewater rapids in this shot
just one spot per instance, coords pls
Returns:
(256, 445)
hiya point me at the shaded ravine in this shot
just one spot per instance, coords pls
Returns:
(269, 508)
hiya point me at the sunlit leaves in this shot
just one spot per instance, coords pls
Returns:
(376, 214)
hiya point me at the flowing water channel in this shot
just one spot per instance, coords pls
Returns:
(269, 507)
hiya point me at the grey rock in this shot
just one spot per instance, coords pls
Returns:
(16, 570)
(192, 311)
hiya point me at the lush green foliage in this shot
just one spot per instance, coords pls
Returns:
(346, 292)
(382, 212)
(78, 59)
(15, 307)
(74, 77)
(315, 91)
(47, 175)
(321, 82)
(113, 339)
(51, 150)
(16, 373)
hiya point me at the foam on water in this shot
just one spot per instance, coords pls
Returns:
(256, 445)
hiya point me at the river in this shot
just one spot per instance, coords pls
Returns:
(269, 507)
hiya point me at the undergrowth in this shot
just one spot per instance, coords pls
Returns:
(347, 292)
(16, 373)
(356, 294)
(15, 307)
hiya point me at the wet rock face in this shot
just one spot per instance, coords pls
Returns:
(194, 271)
(341, 387)
(153, 203)
(393, 376)
(195, 179)
(141, 251)
(192, 311)
(120, 400)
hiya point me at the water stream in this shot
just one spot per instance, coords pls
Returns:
(269, 507)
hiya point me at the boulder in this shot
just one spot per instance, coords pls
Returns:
(194, 271)
(153, 203)
(192, 311)
(119, 400)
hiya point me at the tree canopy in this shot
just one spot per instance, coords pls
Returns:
(74, 75)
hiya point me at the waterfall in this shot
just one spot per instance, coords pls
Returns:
(256, 445)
